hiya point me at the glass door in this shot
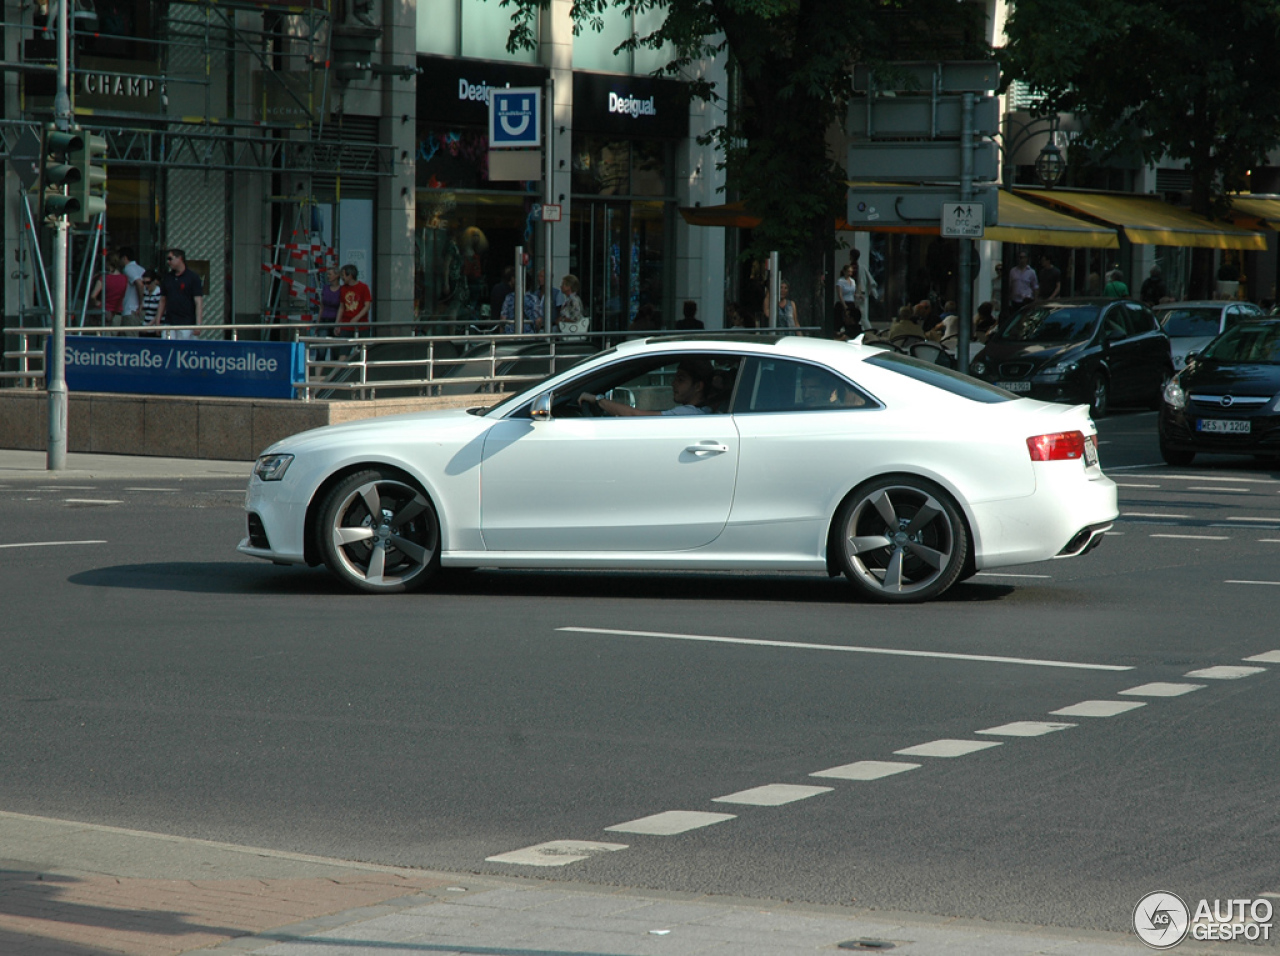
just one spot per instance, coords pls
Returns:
(616, 250)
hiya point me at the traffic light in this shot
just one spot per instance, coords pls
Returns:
(59, 174)
(90, 190)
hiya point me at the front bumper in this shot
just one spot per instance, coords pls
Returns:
(1181, 430)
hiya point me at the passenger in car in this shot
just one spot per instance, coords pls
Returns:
(689, 388)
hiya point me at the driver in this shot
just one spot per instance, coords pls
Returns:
(689, 389)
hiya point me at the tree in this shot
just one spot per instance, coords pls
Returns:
(1174, 78)
(793, 60)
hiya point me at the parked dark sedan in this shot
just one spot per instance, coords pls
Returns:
(1087, 351)
(1227, 399)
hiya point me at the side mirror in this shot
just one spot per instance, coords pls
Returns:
(541, 410)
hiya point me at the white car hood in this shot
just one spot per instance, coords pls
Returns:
(444, 423)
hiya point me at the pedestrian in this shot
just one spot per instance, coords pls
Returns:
(150, 303)
(690, 321)
(330, 300)
(1153, 290)
(108, 293)
(786, 314)
(571, 318)
(1024, 286)
(181, 297)
(1050, 278)
(984, 322)
(847, 286)
(1116, 288)
(355, 302)
(131, 315)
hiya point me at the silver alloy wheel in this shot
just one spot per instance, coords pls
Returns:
(379, 533)
(1099, 405)
(901, 541)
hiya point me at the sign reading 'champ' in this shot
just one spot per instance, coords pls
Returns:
(176, 367)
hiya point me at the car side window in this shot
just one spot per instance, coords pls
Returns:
(1138, 321)
(782, 385)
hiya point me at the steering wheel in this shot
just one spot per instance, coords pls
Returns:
(591, 409)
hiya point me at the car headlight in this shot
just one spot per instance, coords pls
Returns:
(272, 467)
(1056, 373)
(978, 368)
(1174, 396)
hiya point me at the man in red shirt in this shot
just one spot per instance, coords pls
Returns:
(354, 302)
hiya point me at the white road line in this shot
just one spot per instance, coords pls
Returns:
(1222, 491)
(1121, 484)
(1098, 708)
(1195, 537)
(1225, 480)
(1113, 534)
(1273, 583)
(671, 822)
(889, 651)
(1162, 689)
(555, 853)
(1269, 540)
(92, 501)
(1263, 520)
(67, 488)
(772, 795)
(1001, 574)
(948, 748)
(1144, 514)
(167, 490)
(1247, 527)
(1270, 657)
(1026, 728)
(1225, 672)
(866, 770)
(46, 544)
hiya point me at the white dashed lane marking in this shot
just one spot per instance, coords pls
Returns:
(92, 501)
(1223, 491)
(1099, 708)
(948, 748)
(1162, 689)
(1145, 514)
(999, 574)
(1194, 537)
(1271, 583)
(1270, 657)
(671, 822)
(772, 795)
(1026, 728)
(1225, 672)
(866, 770)
(555, 853)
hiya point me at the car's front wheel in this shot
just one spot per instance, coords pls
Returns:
(379, 533)
(1177, 457)
(900, 539)
(1100, 396)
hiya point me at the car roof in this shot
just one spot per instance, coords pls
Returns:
(1202, 304)
(794, 346)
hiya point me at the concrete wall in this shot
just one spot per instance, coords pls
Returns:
(226, 429)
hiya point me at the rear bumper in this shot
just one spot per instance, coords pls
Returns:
(1065, 517)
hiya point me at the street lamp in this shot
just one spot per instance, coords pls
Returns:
(1050, 165)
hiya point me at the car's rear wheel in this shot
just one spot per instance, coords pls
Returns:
(900, 539)
(1177, 457)
(1100, 396)
(379, 533)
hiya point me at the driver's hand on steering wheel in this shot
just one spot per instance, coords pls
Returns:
(588, 397)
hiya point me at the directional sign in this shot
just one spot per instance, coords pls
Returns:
(870, 206)
(962, 220)
(515, 118)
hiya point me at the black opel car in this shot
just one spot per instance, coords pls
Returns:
(1227, 399)
(1094, 352)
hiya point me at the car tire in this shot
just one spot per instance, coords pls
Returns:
(1177, 457)
(900, 539)
(379, 533)
(1100, 396)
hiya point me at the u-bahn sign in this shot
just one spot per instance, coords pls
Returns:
(515, 118)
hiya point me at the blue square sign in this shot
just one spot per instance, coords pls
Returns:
(515, 118)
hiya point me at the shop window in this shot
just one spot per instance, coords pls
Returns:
(649, 168)
(453, 157)
(601, 167)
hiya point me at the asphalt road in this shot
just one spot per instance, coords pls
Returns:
(152, 678)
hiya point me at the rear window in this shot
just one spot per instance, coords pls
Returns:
(943, 378)
(1187, 323)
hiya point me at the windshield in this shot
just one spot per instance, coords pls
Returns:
(1250, 342)
(1049, 324)
(1190, 322)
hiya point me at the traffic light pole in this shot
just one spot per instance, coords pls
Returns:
(55, 374)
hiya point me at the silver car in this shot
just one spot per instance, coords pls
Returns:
(1190, 326)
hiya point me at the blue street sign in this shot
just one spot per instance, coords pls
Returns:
(515, 118)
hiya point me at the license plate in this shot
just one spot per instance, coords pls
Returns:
(1091, 450)
(1014, 386)
(1223, 425)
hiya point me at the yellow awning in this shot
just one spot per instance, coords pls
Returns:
(1151, 221)
(1265, 210)
(1025, 222)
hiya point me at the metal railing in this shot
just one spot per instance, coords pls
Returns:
(338, 367)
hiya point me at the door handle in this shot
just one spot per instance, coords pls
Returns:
(708, 448)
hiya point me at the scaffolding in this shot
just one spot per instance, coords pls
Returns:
(209, 117)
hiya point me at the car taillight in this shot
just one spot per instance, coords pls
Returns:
(1063, 446)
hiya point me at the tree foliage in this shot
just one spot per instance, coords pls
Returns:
(1176, 78)
(792, 60)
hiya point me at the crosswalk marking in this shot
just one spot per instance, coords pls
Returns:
(1162, 689)
(671, 822)
(1098, 708)
(555, 853)
(772, 795)
(866, 770)
(1026, 728)
(1225, 672)
(947, 748)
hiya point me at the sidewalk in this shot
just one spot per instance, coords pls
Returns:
(15, 465)
(73, 889)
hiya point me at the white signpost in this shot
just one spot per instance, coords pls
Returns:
(963, 220)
